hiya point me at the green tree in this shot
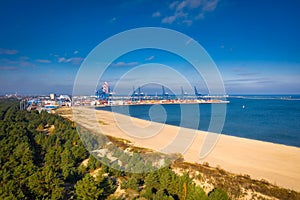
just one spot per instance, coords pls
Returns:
(196, 193)
(88, 189)
(11, 190)
(46, 184)
(131, 183)
(93, 163)
(70, 174)
(152, 180)
(105, 183)
(218, 194)
(161, 195)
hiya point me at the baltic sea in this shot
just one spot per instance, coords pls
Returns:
(273, 119)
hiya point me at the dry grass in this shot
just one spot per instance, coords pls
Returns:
(102, 122)
(237, 186)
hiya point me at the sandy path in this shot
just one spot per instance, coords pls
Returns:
(278, 164)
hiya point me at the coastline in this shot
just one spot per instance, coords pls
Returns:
(276, 163)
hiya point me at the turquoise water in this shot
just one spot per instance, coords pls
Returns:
(267, 118)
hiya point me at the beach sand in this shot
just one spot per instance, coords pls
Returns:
(278, 164)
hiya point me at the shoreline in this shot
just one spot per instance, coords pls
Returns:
(279, 164)
(167, 103)
(267, 141)
(158, 102)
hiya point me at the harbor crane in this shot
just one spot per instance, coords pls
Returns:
(103, 93)
(197, 94)
(165, 95)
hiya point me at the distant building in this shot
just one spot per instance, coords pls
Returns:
(52, 96)
(64, 98)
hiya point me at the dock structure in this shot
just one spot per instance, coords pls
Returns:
(104, 97)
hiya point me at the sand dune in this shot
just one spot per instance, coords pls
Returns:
(278, 164)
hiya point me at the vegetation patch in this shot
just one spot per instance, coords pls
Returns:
(102, 122)
(237, 186)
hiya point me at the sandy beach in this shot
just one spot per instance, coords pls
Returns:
(278, 164)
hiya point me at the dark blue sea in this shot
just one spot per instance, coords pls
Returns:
(267, 118)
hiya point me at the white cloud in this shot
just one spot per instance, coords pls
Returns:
(180, 6)
(8, 51)
(24, 58)
(210, 5)
(113, 19)
(168, 20)
(42, 61)
(75, 52)
(125, 64)
(187, 11)
(19, 62)
(26, 64)
(194, 3)
(77, 60)
(171, 19)
(173, 4)
(62, 60)
(187, 22)
(156, 14)
(73, 60)
(199, 16)
(8, 68)
(150, 58)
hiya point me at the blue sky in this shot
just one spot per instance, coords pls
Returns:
(255, 44)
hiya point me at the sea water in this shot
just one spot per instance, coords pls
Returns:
(267, 118)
